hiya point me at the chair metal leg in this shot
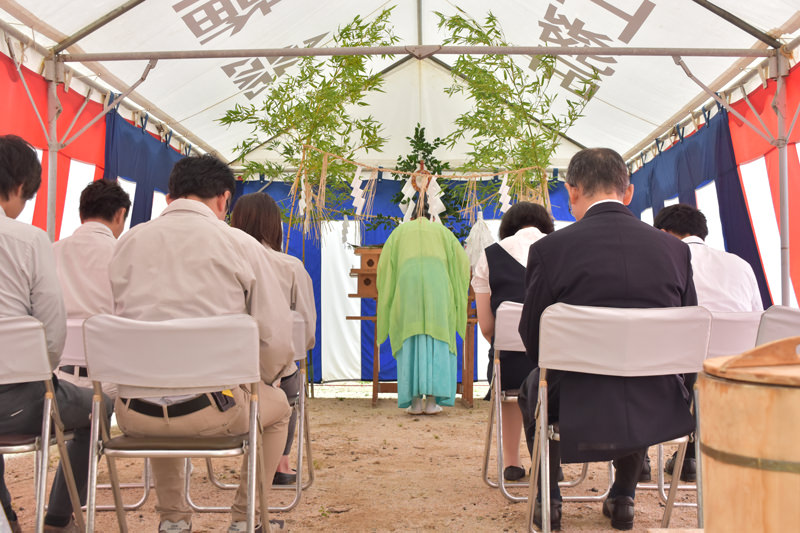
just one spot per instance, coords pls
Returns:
(544, 454)
(595, 498)
(673, 489)
(252, 460)
(42, 473)
(487, 447)
(304, 458)
(145, 485)
(66, 464)
(537, 443)
(698, 458)
(309, 458)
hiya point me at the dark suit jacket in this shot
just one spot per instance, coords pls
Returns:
(610, 259)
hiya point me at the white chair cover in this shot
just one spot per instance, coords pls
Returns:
(299, 336)
(624, 342)
(73, 353)
(145, 359)
(23, 356)
(506, 327)
(733, 333)
(778, 322)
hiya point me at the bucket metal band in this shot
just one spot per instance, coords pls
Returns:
(772, 465)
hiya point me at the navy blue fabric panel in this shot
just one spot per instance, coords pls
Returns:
(313, 257)
(706, 155)
(559, 202)
(736, 226)
(135, 155)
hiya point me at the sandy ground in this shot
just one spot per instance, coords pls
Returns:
(378, 469)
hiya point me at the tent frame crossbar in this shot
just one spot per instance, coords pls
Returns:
(420, 52)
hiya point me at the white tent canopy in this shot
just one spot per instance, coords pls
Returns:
(639, 97)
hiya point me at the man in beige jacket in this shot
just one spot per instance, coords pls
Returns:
(189, 263)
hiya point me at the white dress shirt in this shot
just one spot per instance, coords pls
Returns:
(723, 281)
(82, 263)
(187, 263)
(29, 283)
(516, 245)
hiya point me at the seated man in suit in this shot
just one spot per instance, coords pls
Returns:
(608, 258)
(82, 262)
(724, 283)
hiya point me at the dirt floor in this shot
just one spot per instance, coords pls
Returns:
(379, 469)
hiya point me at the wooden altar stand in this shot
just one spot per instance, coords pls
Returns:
(367, 288)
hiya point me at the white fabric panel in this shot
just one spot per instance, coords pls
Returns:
(129, 187)
(778, 322)
(192, 355)
(707, 202)
(506, 327)
(73, 353)
(624, 342)
(757, 192)
(341, 348)
(159, 204)
(647, 216)
(733, 333)
(27, 212)
(23, 335)
(558, 224)
(80, 175)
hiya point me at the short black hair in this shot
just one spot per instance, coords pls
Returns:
(523, 214)
(204, 176)
(682, 219)
(19, 165)
(598, 170)
(102, 199)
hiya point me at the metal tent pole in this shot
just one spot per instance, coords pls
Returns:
(779, 106)
(53, 146)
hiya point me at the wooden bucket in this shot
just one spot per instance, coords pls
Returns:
(749, 408)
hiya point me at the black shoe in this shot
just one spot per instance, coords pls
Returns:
(555, 515)
(281, 478)
(620, 511)
(513, 473)
(689, 470)
(644, 475)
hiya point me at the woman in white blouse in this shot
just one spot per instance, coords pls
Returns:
(499, 276)
(259, 215)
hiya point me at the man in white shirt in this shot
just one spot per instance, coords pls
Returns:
(724, 282)
(29, 287)
(189, 263)
(82, 261)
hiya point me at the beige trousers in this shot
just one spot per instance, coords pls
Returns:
(169, 474)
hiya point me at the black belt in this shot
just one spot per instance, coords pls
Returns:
(174, 410)
(70, 369)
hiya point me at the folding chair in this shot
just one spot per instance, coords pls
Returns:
(615, 342)
(731, 333)
(303, 438)
(506, 338)
(24, 359)
(224, 354)
(74, 359)
(778, 322)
